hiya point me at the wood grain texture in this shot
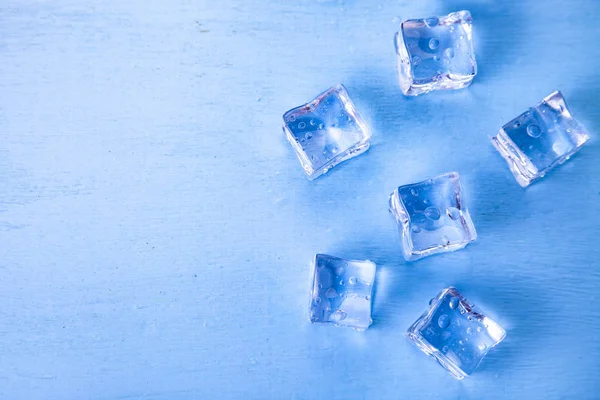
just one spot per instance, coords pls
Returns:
(155, 226)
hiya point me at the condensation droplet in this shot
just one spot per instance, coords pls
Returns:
(436, 58)
(469, 331)
(414, 192)
(454, 303)
(317, 300)
(321, 126)
(292, 118)
(434, 43)
(352, 280)
(516, 124)
(443, 321)
(432, 213)
(416, 60)
(449, 53)
(534, 131)
(339, 315)
(302, 125)
(312, 122)
(415, 229)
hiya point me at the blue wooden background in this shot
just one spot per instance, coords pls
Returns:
(155, 226)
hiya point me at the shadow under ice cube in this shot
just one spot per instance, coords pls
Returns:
(436, 53)
(540, 139)
(455, 333)
(326, 131)
(341, 291)
(432, 217)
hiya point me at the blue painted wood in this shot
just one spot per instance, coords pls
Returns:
(155, 226)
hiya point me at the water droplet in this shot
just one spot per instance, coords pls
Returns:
(415, 229)
(432, 22)
(443, 321)
(339, 315)
(432, 213)
(478, 329)
(517, 124)
(321, 126)
(462, 311)
(342, 282)
(445, 349)
(331, 293)
(414, 192)
(453, 213)
(302, 125)
(312, 122)
(434, 43)
(320, 286)
(461, 342)
(482, 346)
(352, 280)
(445, 239)
(416, 60)
(334, 150)
(317, 300)
(367, 297)
(302, 140)
(534, 131)
(454, 303)
(449, 53)
(292, 118)
(469, 331)
(436, 58)
(308, 136)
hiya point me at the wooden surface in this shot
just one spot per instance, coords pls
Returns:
(155, 226)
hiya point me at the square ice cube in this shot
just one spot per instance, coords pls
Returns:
(341, 291)
(455, 332)
(436, 53)
(326, 131)
(540, 139)
(432, 217)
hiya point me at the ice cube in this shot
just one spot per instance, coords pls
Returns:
(455, 332)
(326, 131)
(341, 291)
(432, 216)
(435, 53)
(540, 139)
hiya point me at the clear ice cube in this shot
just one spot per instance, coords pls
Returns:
(540, 139)
(432, 217)
(455, 332)
(326, 131)
(341, 291)
(436, 53)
